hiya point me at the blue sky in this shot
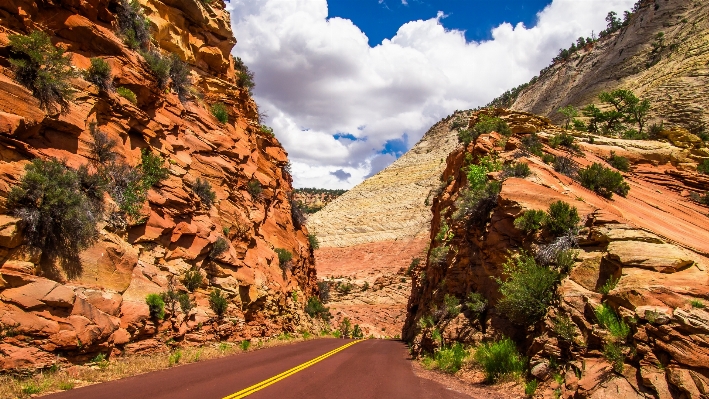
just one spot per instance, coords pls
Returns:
(380, 20)
(351, 85)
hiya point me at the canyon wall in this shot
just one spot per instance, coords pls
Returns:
(46, 311)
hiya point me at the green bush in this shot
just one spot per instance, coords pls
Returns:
(186, 303)
(156, 306)
(609, 285)
(314, 308)
(415, 262)
(562, 218)
(476, 304)
(565, 260)
(703, 167)
(532, 144)
(357, 332)
(548, 158)
(530, 388)
(476, 203)
(518, 169)
(527, 291)
(246, 77)
(564, 140)
(102, 148)
(254, 188)
(531, 220)
(450, 359)
(127, 94)
(570, 112)
(499, 359)
(43, 69)
(218, 302)
(219, 247)
(614, 353)
(467, 136)
(284, 258)
(60, 216)
(192, 279)
(204, 191)
(487, 124)
(345, 327)
(451, 305)
(313, 241)
(152, 168)
(220, 111)
(438, 255)
(99, 73)
(180, 77)
(159, 65)
(700, 198)
(565, 166)
(603, 181)
(564, 327)
(608, 319)
(133, 24)
(267, 131)
(697, 304)
(618, 162)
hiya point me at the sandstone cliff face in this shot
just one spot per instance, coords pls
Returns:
(655, 242)
(674, 78)
(104, 308)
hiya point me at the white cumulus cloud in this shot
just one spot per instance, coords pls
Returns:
(344, 109)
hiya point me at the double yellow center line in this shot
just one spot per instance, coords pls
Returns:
(263, 384)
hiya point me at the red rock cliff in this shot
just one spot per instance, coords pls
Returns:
(104, 309)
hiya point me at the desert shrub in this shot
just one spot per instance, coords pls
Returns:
(415, 262)
(357, 332)
(476, 304)
(609, 285)
(219, 247)
(246, 77)
(655, 129)
(618, 162)
(608, 319)
(59, 215)
(565, 260)
(314, 308)
(467, 136)
(518, 169)
(313, 241)
(127, 94)
(530, 388)
(254, 188)
(345, 327)
(531, 220)
(218, 302)
(700, 198)
(603, 181)
(268, 131)
(703, 167)
(284, 258)
(156, 306)
(245, 344)
(476, 204)
(487, 124)
(451, 305)
(101, 146)
(179, 73)
(564, 140)
(697, 304)
(186, 303)
(344, 288)
(171, 296)
(152, 168)
(324, 291)
(133, 24)
(219, 110)
(562, 218)
(565, 166)
(614, 354)
(438, 255)
(564, 327)
(43, 69)
(204, 191)
(532, 144)
(99, 73)
(499, 359)
(579, 125)
(159, 65)
(450, 359)
(548, 158)
(527, 291)
(570, 112)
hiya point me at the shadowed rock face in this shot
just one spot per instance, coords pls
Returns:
(674, 78)
(655, 242)
(103, 309)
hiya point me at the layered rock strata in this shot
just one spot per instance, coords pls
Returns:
(43, 311)
(654, 243)
(670, 70)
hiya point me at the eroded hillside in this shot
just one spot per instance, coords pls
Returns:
(661, 55)
(623, 310)
(229, 239)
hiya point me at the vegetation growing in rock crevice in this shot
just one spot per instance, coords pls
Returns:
(133, 25)
(204, 192)
(99, 73)
(43, 69)
(603, 181)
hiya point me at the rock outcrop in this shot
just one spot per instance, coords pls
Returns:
(669, 70)
(44, 311)
(654, 243)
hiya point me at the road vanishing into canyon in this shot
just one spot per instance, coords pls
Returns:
(322, 368)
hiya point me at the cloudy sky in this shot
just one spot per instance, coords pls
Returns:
(350, 85)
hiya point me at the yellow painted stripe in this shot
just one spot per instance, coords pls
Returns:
(263, 384)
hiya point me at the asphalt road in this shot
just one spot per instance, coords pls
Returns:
(368, 369)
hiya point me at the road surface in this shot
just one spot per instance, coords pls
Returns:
(366, 369)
